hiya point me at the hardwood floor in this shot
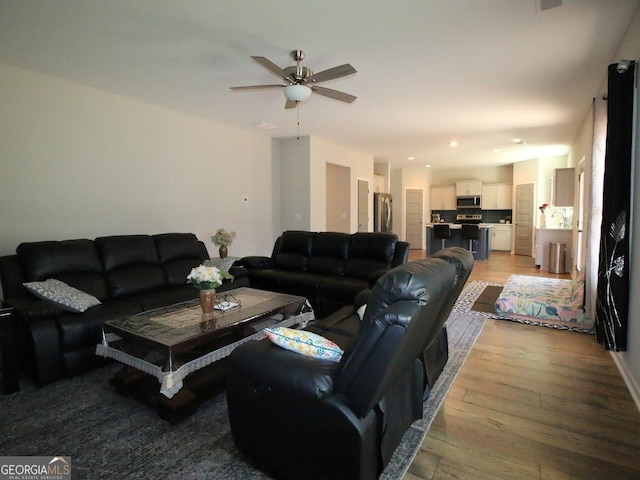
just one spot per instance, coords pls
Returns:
(532, 403)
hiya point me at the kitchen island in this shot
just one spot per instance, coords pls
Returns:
(481, 247)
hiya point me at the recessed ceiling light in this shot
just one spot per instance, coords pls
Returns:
(518, 141)
(496, 150)
(265, 126)
(453, 143)
(411, 158)
(427, 166)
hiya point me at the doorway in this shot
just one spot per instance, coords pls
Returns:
(414, 201)
(524, 220)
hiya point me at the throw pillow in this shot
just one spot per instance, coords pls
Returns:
(306, 343)
(68, 298)
(223, 264)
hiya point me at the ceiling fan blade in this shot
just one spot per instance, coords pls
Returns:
(290, 104)
(273, 68)
(257, 87)
(332, 73)
(335, 94)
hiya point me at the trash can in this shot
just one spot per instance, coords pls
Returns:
(557, 253)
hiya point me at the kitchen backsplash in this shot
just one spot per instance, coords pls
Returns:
(488, 216)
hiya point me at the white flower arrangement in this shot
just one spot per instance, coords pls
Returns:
(206, 278)
(222, 238)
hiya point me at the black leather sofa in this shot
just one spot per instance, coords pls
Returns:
(127, 273)
(300, 417)
(327, 268)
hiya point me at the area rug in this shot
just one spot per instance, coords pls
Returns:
(110, 436)
(524, 261)
(490, 293)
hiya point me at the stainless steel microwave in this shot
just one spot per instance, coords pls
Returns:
(469, 202)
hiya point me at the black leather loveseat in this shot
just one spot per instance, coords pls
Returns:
(128, 274)
(298, 416)
(328, 268)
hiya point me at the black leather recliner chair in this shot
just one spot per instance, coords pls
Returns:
(300, 417)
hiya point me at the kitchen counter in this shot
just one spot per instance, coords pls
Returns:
(481, 247)
(545, 236)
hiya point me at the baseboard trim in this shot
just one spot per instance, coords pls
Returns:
(627, 376)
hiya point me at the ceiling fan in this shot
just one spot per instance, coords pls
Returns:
(301, 82)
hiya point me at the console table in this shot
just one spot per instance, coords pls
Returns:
(10, 368)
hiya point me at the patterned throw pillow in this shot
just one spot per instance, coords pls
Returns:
(221, 263)
(306, 343)
(68, 298)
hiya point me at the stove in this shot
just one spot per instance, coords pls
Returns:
(468, 218)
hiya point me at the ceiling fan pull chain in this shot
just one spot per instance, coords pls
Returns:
(298, 120)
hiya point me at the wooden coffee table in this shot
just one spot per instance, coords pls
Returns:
(174, 356)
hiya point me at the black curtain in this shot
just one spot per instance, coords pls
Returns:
(612, 306)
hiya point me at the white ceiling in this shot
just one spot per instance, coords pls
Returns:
(479, 71)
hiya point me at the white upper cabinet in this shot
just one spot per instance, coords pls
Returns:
(497, 196)
(443, 197)
(468, 187)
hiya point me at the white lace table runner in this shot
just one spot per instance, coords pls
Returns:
(171, 382)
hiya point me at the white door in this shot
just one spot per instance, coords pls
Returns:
(413, 223)
(524, 220)
(363, 206)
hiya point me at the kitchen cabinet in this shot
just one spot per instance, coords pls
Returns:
(379, 184)
(496, 197)
(443, 197)
(563, 187)
(501, 237)
(468, 187)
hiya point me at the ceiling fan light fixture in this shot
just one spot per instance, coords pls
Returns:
(297, 93)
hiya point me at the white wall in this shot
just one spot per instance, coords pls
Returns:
(80, 163)
(498, 174)
(295, 182)
(401, 180)
(361, 165)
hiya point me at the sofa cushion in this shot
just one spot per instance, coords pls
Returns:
(79, 331)
(305, 343)
(59, 293)
(329, 253)
(294, 250)
(179, 253)
(131, 263)
(369, 252)
(125, 250)
(74, 262)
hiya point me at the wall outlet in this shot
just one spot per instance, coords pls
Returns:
(297, 217)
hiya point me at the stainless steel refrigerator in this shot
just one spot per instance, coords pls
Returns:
(382, 212)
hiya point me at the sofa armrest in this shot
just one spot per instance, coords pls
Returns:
(256, 262)
(268, 366)
(374, 276)
(32, 308)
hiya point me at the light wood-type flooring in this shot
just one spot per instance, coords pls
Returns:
(532, 403)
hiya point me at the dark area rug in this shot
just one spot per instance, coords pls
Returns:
(487, 299)
(109, 436)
